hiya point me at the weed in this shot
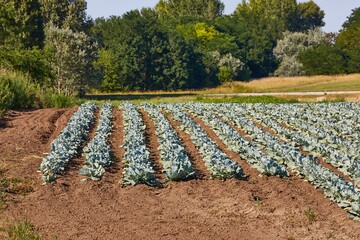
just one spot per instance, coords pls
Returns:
(309, 213)
(257, 200)
(329, 235)
(22, 230)
(3, 169)
(16, 185)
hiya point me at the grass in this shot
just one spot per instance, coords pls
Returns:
(309, 213)
(278, 84)
(293, 84)
(249, 99)
(16, 185)
(178, 98)
(22, 230)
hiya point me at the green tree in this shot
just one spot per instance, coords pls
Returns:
(147, 55)
(66, 14)
(72, 56)
(21, 24)
(109, 69)
(324, 59)
(309, 16)
(207, 9)
(349, 40)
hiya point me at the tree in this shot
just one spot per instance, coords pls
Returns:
(309, 16)
(109, 69)
(21, 24)
(273, 16)
(229, 66)
(66, 14)
(207, 9)
(349, 40)
(288, 48)
(324, 59)
(147, 55)
(72, 56)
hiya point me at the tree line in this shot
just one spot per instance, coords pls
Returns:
(179, 44)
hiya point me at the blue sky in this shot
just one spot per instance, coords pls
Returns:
(336, 10)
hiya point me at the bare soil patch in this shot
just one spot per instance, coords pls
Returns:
(152, 143)
(259, 208)
(191, 150)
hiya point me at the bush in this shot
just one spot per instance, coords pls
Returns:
(18, 92)
(32, 62)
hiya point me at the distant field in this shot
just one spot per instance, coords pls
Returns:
(265, 85)
(294, 84)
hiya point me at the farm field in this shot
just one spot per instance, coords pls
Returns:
(200, 170)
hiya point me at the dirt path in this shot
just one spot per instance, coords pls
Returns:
(260, 208)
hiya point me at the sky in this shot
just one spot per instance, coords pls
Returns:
(336, 11)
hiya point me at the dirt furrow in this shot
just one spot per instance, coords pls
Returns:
(113, 173)
(152, 143)
(261, 208)
(191, 150)
(232, 155)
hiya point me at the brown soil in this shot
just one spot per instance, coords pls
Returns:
(191, 149)
(152, 143)
(258, 208)
(232, 155)
(116, 140)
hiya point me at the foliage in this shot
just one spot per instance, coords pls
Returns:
(66, 145)
(349, 41)
(21, 24)
(66, 14)
(31, 62)
(138, 168)
(288, 48)
(22, 230)
(142, 55)
(310, 16)
(18, 91)
(324, 59)
(73, 54)
(207, 9)
(97, 153)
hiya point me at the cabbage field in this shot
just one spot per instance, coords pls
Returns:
(318, 142)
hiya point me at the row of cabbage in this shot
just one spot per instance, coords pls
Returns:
(65, 147)
(217, 162)
(340, 153)
(173, 156)
(331, 118)
(350, 148)
(342, 161)
(249, 151)
(97, 153)
(344, 193)
(137, 165)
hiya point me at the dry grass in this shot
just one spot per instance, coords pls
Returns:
(294, 84)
